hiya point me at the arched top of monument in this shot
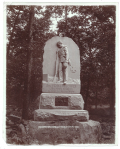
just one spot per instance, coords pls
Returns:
(49, 57)
(65, 40)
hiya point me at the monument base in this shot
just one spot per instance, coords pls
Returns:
(60, 114)
(69, 88)
(61, 101)
(65, 132)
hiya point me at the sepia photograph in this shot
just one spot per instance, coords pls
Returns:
(60, 73)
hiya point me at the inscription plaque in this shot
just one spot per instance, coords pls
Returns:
(61, 101)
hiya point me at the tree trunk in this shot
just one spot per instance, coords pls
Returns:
(87, 93)
(112, 87)
(89, 77)
(65, 19)
(96, 95)
(28, 69)
(112, 96)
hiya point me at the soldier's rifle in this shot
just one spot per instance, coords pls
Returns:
(56, 63)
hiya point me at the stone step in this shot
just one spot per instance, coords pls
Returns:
(61, 101)
(57, 133)
(60, 114)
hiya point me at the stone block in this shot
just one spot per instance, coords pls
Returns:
(62, 133)
(60, 114)
(60, 88)
(45, 77)
(61, 101)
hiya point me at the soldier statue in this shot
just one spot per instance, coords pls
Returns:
(63, 60)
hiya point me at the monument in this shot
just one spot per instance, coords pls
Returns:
(61, 106)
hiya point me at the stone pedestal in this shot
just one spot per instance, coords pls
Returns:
(61, 101)
(62, 120)
(70, 88)
(60, 114)
(65, 132)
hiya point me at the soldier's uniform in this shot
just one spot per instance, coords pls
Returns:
(63, 59)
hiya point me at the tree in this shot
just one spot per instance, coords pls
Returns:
(29, 66)
(93, 29)
(26, 37)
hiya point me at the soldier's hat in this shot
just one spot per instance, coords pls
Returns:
(59, 43)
